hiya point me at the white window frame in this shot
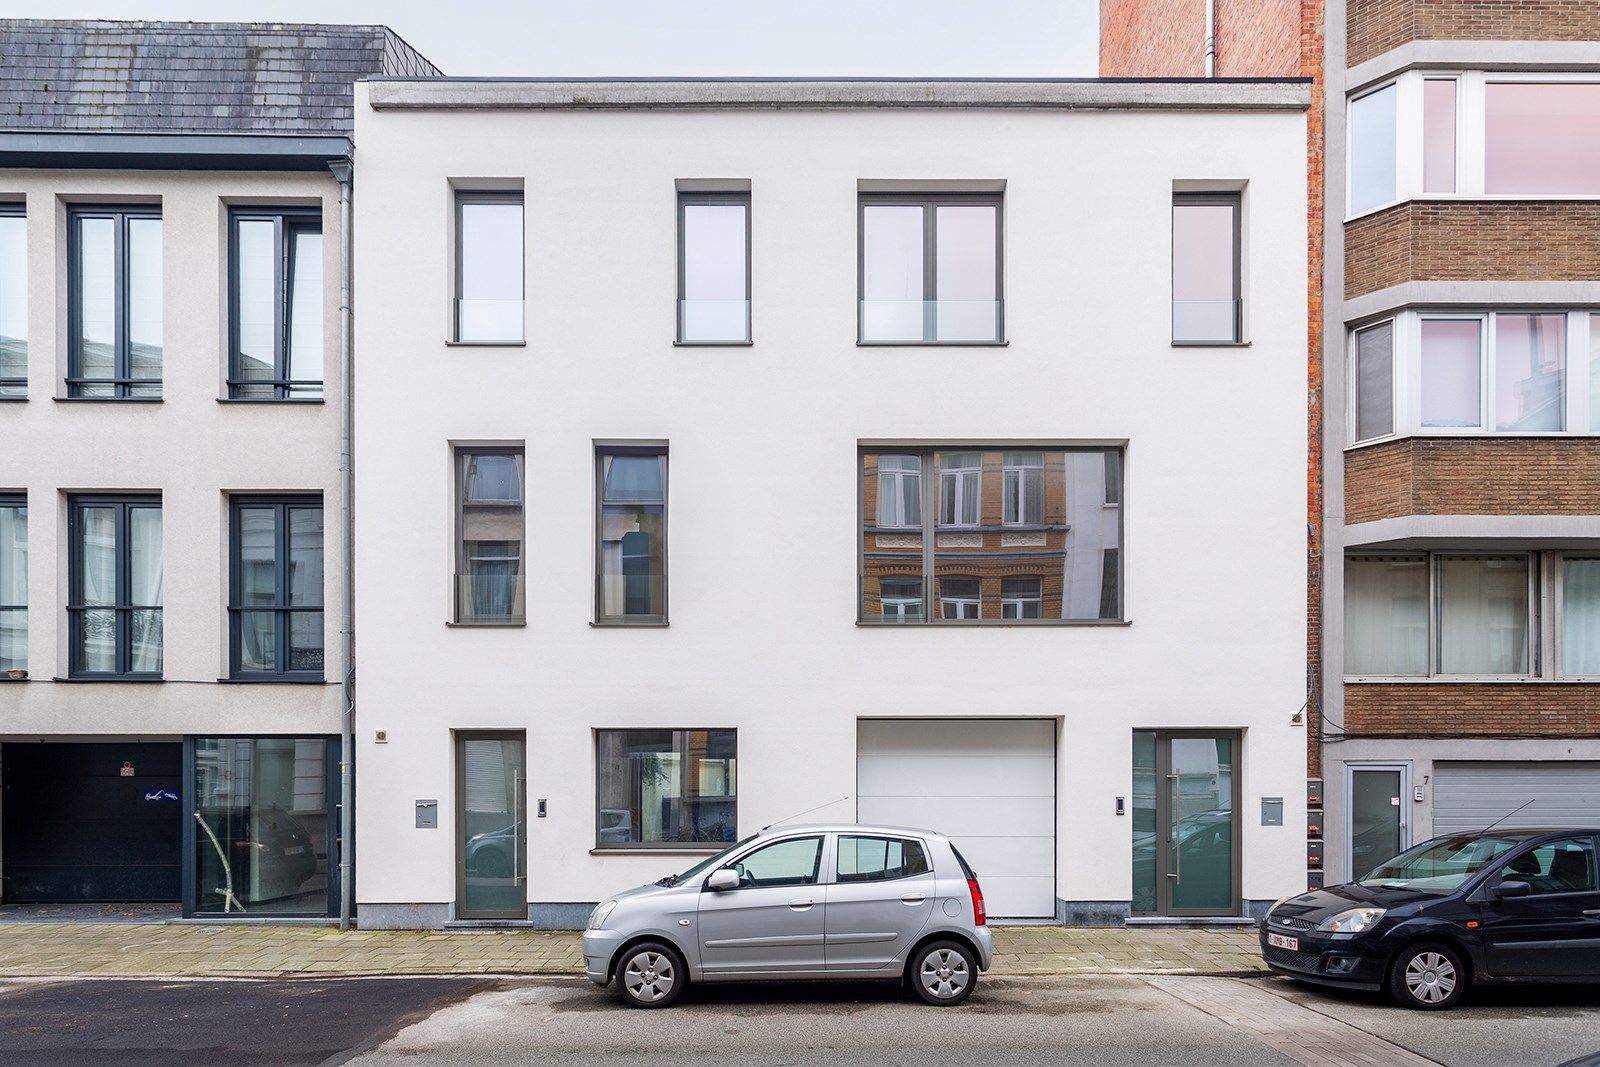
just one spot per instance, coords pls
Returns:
(962, 602)
(959, 497)
(1011, 606)
(1019, 471)
(901, 603)
(1400, 113)
(898, 475)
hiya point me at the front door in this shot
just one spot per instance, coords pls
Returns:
(1377, 829)
(1186, 823)
(1554, 931)
(491, 839)
(773, 921)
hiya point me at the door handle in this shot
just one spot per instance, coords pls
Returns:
(912, 900)
(517, 877)
(1593, 913)
(800, 905)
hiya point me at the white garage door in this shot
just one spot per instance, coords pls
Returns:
(990, 785)
(1470, 796)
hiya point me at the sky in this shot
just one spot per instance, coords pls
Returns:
(596, 38)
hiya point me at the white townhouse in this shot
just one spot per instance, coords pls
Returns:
(739, 452)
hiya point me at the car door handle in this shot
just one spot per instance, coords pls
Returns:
(800, 905)
(912, 900)
(1593, 913)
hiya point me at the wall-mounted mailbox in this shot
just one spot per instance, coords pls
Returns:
(1313, 879)
(427, 814)
(1313, 823)
(1314, 854)
(1271, 811)
(1314, 792)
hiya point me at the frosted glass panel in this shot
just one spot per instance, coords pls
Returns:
(1439, 135)
(1204, 286)
(967, 279)
(1452, 372)
(892, 269)
(714, 273)
(490, 239)
(1530, 372)
(1542, 138)
(1386, 616)
(1580, 617)
(1483, 615)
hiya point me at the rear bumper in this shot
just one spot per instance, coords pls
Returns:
(985, 942)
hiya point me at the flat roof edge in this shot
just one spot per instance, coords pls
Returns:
(170, 151)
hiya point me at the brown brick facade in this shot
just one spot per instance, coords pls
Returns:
(1376, 26)
(1493, 240)
(1471, 709)
(1473, 476)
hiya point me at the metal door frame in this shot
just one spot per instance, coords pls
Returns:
(1350, 769)
(519, 814)
(1164, 775)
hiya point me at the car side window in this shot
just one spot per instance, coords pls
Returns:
(1565, 866)
(791, 862)
(879, 859)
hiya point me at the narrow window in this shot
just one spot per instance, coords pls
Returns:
(275, 302)
(960, 475)
(1374, 381)
(1530, 394)
(930, 269)
(1021, 597)
(1541, 138)
(1439, 135)
(1372, 150)
(1205, 268)
(713, 268)
(1452, 373)
(114, 307)
(1386, 615)
(13, 301)
(115, 578)
(1110, 582)
(1580, 617)
(669, 788)
(13, 583)
(899, 488)
(1483, 615)
(489, 267)
(631, 584)
(489, 535)
(1022, 488)
(275, 604)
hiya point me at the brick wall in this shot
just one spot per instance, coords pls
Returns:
(1376, 26)
(1472, 709)
(1166, 38)
(1473, 476)
(1493, 240)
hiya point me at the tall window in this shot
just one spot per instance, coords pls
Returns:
(666, 788)
(489, 267)
(275, 302)
(115, 595)
(1205, 268)
(275, 605)
(1440, 614)
(631, 586)
(489, 535)
(1439, 135)
(13, 301)
(1003, 535)
(13, 583)
(1372, 149)
(931, 269)
(1580, 617)
(1373, 381)
(114, 313)
(713, 268)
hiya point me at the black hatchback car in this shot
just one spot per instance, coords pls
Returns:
(1497, 906)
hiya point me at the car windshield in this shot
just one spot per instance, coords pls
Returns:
(1440, 866)
(705, 864)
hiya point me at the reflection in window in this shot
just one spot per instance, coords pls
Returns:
(1022, 488)
(115, 586)
(899, 490)
(276, 603)
(13, 301)
(115, 307)
(959, 597)
(489, 267)
(1021, 598)
(901, 599)
(13, 583)
(632, 581)
(276, 302)
(666, 787)
(954, 295)
(1205, 267)
(489, 525)
(1372, 150)
(714, 268)
(1530, 372)
(960, 475)
(1541, 138)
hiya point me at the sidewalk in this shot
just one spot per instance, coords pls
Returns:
(59, 950)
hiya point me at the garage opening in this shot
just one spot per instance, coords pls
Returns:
(1468, 796)
(989, 784)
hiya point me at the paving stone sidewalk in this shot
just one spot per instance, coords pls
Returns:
(160, 950)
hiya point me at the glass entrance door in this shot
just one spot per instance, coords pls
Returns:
(1186, 823)
(491, 841)
(1377, 825)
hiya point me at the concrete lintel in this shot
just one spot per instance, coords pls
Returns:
(1475, 55)
(515, 94)
(1471, 531)
(1473, 294)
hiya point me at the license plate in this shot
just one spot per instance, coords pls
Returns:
(294, 850)
(1279, 941)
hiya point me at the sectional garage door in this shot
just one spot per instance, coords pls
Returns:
(1470, 796)
(988, 784)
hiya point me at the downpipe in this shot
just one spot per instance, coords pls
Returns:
(343, 173)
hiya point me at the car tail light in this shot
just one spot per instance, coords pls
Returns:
(980, 916)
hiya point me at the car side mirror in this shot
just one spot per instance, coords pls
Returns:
(1512, 889)
(721, 880)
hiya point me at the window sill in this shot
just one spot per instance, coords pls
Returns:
(509, 624)
(4, 679)
(271, 400)
(13, 400)
(1466, 679)
(935, 624)
(713, 344)
(486, 344)
(275, 681)
(657, 850)
(1472, 435)
(137, 679)
(109, 399)
(933, 344)
(624, 624)
(1211, 344)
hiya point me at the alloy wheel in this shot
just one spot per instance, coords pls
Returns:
(944, 973)
(1430, 977)
(649, 976)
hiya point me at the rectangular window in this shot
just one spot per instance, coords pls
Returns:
(276, 599)
(13, 301)
(1205, 268)
(114, 307)
(1541, 138)
(489, 268)
(1530, 373)
(115, 579)
(1580, 617)
(275, 304)
(489, 535)
(1439, 135)
(1386, 615)
(931, 269)
(1452, 373)
(631, 584)
(1372, 149)
(1594, 373)
(1480, 622)
(1374, 381)
(13, 583)
(666, 788)
(1007, 535)
(1483, 611)
(713, 268)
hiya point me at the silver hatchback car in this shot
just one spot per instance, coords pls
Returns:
(836, 901)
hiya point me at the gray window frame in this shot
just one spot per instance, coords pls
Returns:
(687, 198)
(602, 449)
(121, 380)
(459, 451)
(652, 846)
(485, 196)
(16, 388)
(1234, 200)
(124, 606)
(281, 609)
(18, 500)
(929, 202)
(287, 222)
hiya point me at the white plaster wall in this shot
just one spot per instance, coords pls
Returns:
(190, 449)
(763, 477)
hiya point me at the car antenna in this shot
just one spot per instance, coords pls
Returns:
(808, 811)
(1503, 818)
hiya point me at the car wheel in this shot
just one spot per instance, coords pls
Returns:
(943, 973)
(1429, 977)
(651, 975)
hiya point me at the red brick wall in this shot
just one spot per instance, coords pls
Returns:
(1166, 38)
(1376, 26)
(1472, 709)
(1473, 476)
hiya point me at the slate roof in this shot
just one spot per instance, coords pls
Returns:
(191, 77)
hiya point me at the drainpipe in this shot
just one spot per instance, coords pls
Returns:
(342, 172)
(1211, 38)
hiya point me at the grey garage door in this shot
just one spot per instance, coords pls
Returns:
(1470, 796)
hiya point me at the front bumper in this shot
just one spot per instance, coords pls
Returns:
(599, 946)
(1353, 963)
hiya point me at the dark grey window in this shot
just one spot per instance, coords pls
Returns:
(13, 582)
(114, 310)
(930, 269)
(489, 268)
(880, 859)
(666, 787)
(13, 301)
(115, 586)
(631, 584)
(489, 535)
(713, 268)
(275, 604)
(275, 325)
(1205, 268)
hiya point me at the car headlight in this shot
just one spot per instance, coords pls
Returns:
(597, 918)
(1353, 921)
